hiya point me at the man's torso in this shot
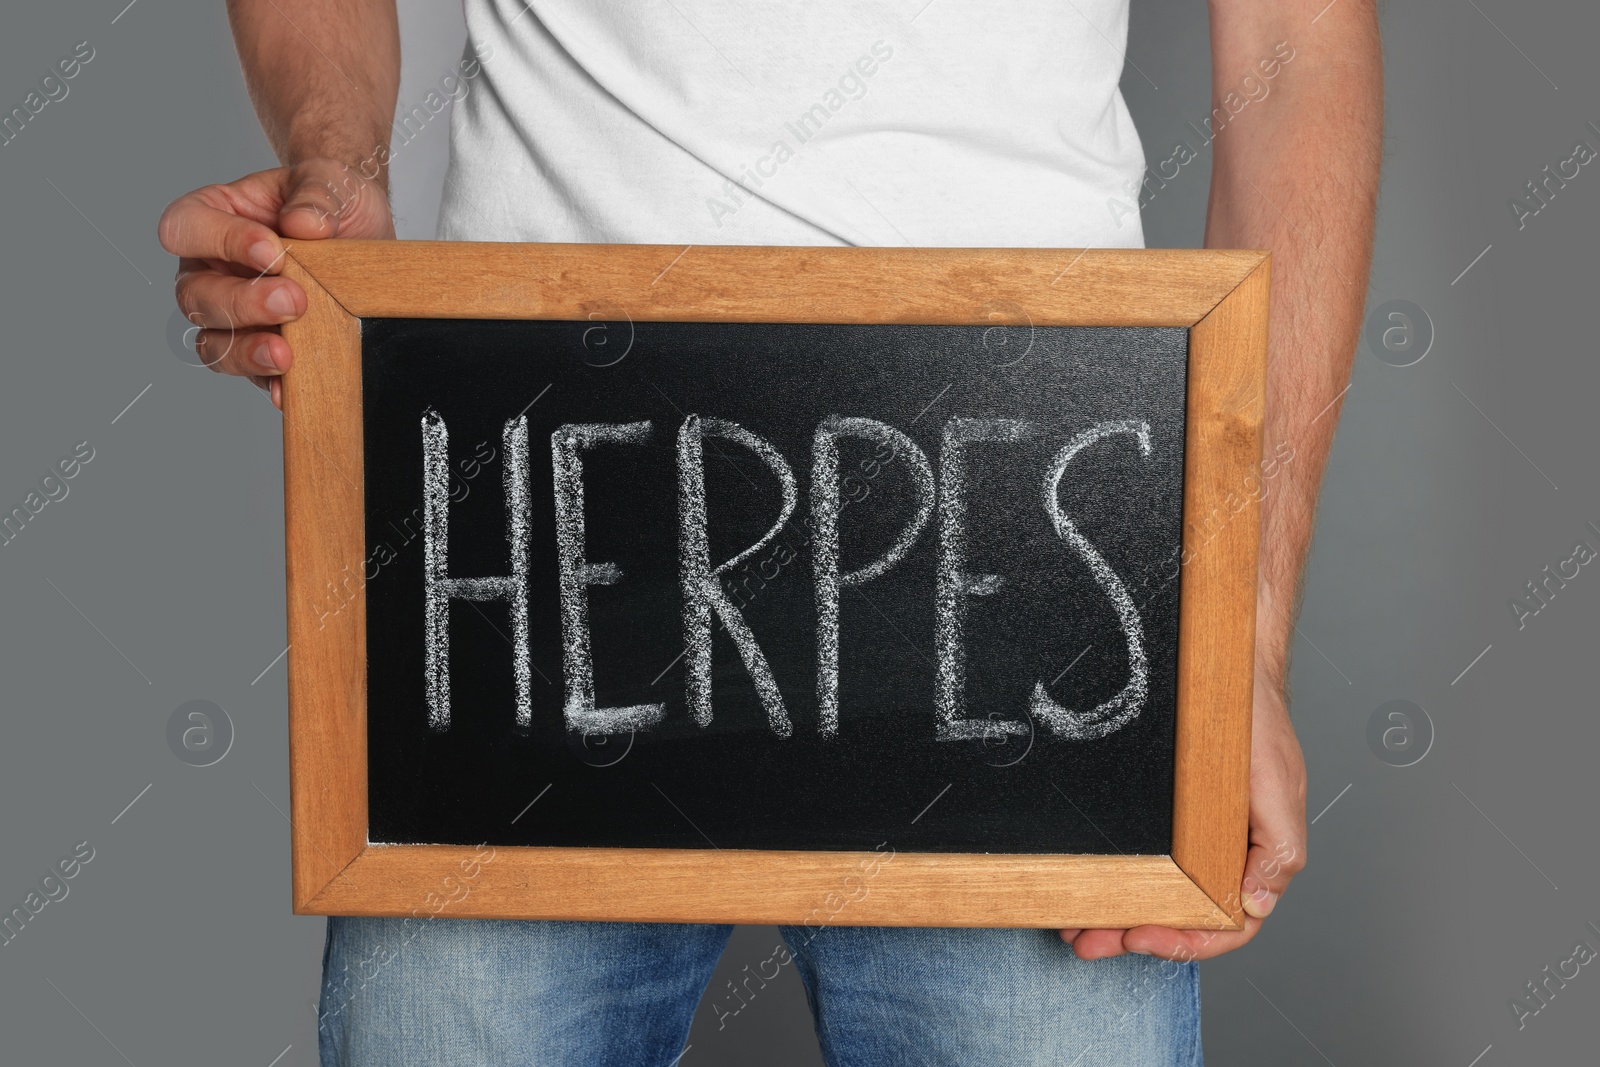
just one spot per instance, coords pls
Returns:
(713, 122)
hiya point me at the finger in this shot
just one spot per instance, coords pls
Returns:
(273, 387)
(1069, 935)
(197, 225)
(1098, 944)
(220, 301)
(1186, 945)
(247, 353)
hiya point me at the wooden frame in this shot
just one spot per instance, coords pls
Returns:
(1220, 296)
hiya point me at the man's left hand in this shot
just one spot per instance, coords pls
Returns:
(1277, 844)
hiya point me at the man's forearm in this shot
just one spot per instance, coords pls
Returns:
(323, 75)
(1297, 173)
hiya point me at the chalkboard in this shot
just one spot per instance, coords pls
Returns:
(819, 450)
(622, 570)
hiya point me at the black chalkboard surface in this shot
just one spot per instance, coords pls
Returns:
(973, 529)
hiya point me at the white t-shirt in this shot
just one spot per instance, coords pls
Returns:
(920, 122)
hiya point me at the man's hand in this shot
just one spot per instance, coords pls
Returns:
(1277, 844)
(324, 76)
(227, 240)
(1295, 171)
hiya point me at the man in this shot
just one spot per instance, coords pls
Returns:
(706, 121)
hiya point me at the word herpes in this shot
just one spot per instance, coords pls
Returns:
(939, 500)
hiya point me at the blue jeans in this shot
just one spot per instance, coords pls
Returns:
(497, 993)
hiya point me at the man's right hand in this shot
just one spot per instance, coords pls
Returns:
(228, 240)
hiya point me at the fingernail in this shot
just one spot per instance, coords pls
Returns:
(1258, 899)
(280, 301)
(263, 357)
(263, 254)
(316, 210)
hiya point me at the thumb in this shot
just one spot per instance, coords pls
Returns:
(1277, 853)
(1259, 893)
(322, 194)
(1277, 804)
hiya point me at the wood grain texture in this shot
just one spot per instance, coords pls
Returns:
(325, 543)
(819, 888)
(1221, 296)
(1216, 619)
(703, 283)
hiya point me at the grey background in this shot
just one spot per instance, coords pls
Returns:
(1432, 892)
